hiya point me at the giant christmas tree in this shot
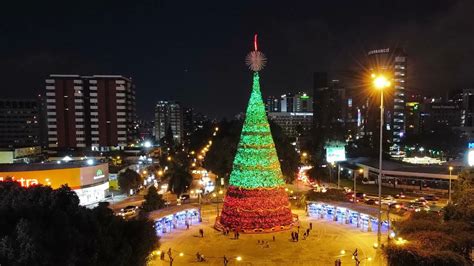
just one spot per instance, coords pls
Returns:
(256, 200)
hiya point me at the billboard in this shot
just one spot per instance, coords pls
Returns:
(335, 154)
(470, 154)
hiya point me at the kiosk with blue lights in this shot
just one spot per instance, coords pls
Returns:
(343, 215)
(177, 220)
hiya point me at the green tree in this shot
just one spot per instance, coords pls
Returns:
(129, 180)
(153, 200)
(179, 179)
(42, 226)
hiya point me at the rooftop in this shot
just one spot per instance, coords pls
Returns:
(17, 167)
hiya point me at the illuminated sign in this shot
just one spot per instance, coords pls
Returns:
(24, 182)
(75, 178)
(335, 154)
(379, 51)
(470, 158)
(99, 174)
(470, 154)
(304, 97)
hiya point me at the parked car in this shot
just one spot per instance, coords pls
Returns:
(128, 211)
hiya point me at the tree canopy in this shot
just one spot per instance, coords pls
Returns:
(42, 226)
(129, 180)
(153, 200)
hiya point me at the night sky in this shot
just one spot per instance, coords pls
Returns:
(193, 51)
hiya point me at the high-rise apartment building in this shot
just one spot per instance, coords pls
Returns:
(96, 112)
(393, 63)
(20, 123)
(169, 120)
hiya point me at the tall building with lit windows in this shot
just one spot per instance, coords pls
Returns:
(393, 63)
(169, 119)
(90, 112)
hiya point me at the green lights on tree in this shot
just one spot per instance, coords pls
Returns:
(256, 162)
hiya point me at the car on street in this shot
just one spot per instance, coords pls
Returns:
(430, 197)
(389, 200)
(128, 211)
(370, 201)
(421, 200)
(366, 181)
(184, 198)
(400, 196)
(359, 196)
(417, 206)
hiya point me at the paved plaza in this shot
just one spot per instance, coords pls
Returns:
(327, 242)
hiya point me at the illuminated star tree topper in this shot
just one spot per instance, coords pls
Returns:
(256, 60)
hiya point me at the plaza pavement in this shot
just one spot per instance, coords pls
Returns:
(322, 247)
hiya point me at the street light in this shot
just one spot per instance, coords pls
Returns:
(449, 192)
(361, 171)
(380, 82)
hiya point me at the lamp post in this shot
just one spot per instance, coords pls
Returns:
(449, 192)
(380, 82)
(361, 171)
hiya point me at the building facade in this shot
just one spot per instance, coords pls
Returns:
(392, 63)
(90, 182)
(293, 124)
(300, 102)
(20, 123)
(169, 120)
(96, 112)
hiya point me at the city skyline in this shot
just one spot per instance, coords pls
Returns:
(167, 50)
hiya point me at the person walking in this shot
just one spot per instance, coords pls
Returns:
(310, 226)
(226, 261)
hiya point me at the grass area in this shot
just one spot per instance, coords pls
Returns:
(371, 189)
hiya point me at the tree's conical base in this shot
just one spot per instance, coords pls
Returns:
(256, 210)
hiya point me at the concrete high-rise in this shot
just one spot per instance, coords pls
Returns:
(96, 112)
(169, 120)
(20, 122)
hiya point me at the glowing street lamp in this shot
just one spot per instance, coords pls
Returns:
(380, 82)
